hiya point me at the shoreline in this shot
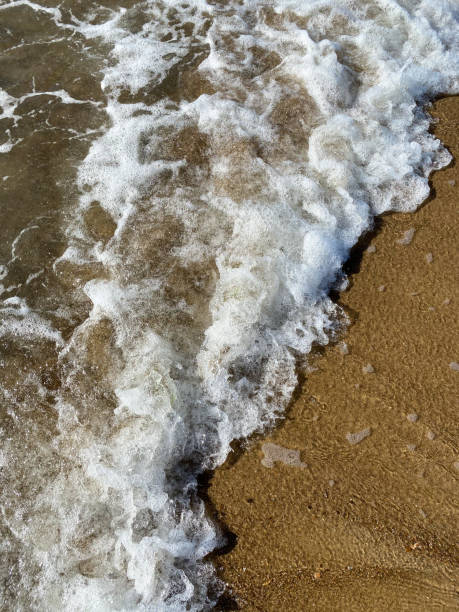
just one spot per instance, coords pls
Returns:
(359, 513)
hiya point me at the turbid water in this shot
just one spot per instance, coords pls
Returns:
(180, 186)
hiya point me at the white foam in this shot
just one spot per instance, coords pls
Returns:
(16, 318)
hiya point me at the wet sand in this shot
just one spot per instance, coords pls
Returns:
(364, 516)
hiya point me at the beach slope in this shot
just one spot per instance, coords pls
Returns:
(362, 515)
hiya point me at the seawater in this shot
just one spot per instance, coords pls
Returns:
(180, 185)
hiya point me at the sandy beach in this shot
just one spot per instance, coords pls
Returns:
(185, 187)
(362, 514)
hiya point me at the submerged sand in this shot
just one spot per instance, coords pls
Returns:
(362, 513)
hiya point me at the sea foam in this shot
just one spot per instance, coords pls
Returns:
(250, 144)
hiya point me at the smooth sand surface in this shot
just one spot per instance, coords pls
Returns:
(364, 516)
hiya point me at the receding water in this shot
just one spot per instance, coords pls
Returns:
(180, 185)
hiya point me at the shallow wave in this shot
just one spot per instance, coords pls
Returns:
(249, 146)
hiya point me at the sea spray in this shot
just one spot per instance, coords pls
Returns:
(247, 146)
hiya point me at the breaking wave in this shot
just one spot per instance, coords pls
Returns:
(240, 151)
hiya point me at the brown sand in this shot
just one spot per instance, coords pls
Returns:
(371, 522)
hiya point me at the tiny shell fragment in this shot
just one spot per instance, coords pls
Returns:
(355, 438)
(274, 452)
(368, 369)
(407, 237)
